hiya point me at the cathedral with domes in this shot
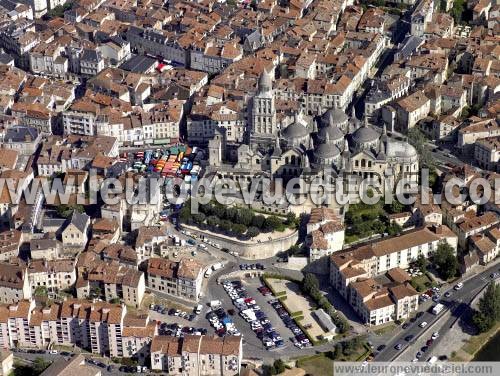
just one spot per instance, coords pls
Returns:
(309, 146)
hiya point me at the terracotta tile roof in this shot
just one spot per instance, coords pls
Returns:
(402, 291)
(9, 241)
(105, 225)
(12, 276)
(94, 312)
(191, 344)
(8, 158)
(189, 268)
(398, 275)
(379, 302)
(473, 223)
(147, 234)
(167, 345)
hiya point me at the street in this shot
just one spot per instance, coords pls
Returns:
(457, 304)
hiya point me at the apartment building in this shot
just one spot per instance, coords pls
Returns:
(138, 332)
(10, 241)
(471, 224)
(487, 153)
(411, 109)
(75, 234)
(80, 118)
(197, 355)
(182, 279)
(155, 42)
(96, 327)
(14, 283)
(378, 304)
(54, 275)
(486, 245)
(325, 233)
(110, 280)
(354, 272)
(148, 241)
(477, 129)
(383, 92)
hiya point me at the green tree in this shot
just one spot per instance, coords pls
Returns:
(378, 227)
(417, 139)
(225, 225)
(185, 214)
(219, 211)
(394, 229)
(213, 221)
(310, 283)
(446, 261)
(290, 218)
(258, 221)
(293, 250)
(231, 214)
(279, 366)
(421, 262)
(272, 223)
(238, 228)
(396, 207)
(66, 211)
(252, 232)
(199, 218)
(489, 304)
(482, 322)
(244, 216)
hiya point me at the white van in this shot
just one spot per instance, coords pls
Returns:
(437, 308)
(198, 309)
(208, 273)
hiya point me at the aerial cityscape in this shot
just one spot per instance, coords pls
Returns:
(249, 187)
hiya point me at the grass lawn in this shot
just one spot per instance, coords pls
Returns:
(385, 329)
(421, 283)
(475, 343)
(317, 365)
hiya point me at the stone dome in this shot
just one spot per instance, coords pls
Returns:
(295, 130)
(297, 133)
(401, 151)
(334, 133)
(365, 134)
(334, 116)
(324, 151)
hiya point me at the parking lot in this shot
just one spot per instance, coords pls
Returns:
(264, 323)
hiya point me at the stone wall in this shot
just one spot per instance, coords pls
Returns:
(250, 250)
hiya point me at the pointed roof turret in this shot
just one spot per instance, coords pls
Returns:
(277, 148)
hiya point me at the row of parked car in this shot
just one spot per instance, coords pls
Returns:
(222, 322)
(253, 314)
(172, 312)
(257, 266)
(299, 340)
(176, 330)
